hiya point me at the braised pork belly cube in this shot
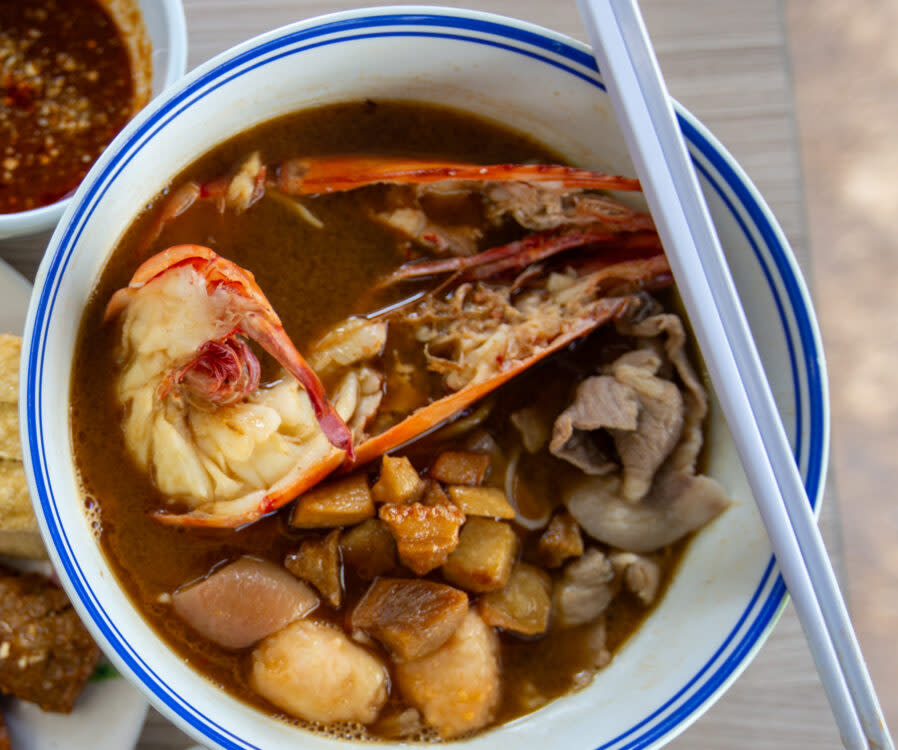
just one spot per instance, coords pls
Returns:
(460, 467)
(560, 540)
(435, 494)
(342, 502)
(482, 501)
(425, 534)
(484, 557)
(313, 670)
(456, 688)
(318, 562)
(410, 617)
(243, 602)
(369, 549)
(523, 605)
(398, 483)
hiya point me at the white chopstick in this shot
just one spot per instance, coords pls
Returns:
(631, 74)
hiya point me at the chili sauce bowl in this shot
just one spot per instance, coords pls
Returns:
(727, 594)
(159, 37)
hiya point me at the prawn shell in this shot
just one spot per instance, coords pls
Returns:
(334, 174)
(428, 417)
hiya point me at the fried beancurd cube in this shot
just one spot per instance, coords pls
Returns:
(398, 482)
(424, 534)
(410, 617)
(482, 501)
(369, 549)
(560, 540)
(318, 562)
(484, 557)
(460, 467)
(457, 687)
(525, 603)
(342, 502)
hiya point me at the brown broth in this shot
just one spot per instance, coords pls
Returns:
(311, 286)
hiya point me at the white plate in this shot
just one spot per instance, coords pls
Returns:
(110, 713)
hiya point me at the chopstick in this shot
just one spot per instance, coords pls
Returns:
(631, 74)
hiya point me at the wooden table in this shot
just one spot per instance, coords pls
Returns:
(727, 61)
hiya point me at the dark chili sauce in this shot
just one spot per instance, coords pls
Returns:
(66, 89)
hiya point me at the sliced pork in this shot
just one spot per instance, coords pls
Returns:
(641, 575)
(677, 504)
(585, 590)
(641, 412)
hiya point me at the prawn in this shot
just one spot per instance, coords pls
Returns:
(226, 450)
(195, 415)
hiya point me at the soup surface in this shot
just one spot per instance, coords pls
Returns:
(318, 271)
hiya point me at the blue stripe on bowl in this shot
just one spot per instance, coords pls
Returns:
(715, 166)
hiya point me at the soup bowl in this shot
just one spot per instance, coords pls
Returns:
(163, 28)
(726, 595)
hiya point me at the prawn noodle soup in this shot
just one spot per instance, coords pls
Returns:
(493, 428)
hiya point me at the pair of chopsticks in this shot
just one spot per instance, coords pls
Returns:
(640, 99)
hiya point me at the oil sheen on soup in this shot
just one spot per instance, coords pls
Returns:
(490, 418)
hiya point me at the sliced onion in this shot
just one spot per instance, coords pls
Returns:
(511, 492)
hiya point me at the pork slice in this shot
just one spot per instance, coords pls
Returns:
(677, 504)
(642, 450)
(642, 412)
(457, 687)
(641, 575)
(585, 589)
(600, 402)
(243, 602)
(314, 671)
(695, 399)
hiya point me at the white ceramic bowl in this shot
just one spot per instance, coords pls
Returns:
(727, 594)
(167, 32)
